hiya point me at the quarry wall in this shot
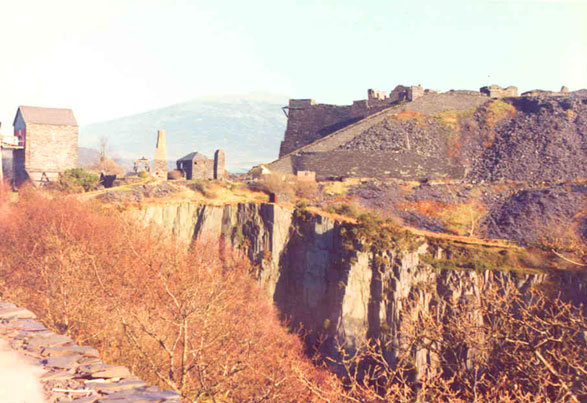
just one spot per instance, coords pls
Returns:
(332, 291)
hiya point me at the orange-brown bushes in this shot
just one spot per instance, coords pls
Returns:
(508, 346)
(190, 320)
(108, 167)
(430, 208)
(194, 321)
(458, 218)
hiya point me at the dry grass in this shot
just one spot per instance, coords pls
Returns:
(498, 110)
(453, 119)
(406, 116)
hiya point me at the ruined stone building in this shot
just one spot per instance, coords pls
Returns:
(47, 143)
(495, 91)
(366, 139)
(196, 165)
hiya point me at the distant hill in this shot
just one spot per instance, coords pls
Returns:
(249, 128)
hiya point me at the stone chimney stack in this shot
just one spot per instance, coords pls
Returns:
(219, 159)
(160, 160)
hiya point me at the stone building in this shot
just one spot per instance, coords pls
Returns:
(406, 93)
(48, 140)
(495, 91)
(196, 165)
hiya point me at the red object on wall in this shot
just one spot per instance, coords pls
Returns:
(21, 134)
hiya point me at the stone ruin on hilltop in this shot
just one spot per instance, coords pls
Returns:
(413, 133)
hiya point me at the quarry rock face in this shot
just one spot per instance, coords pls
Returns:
(335, 293)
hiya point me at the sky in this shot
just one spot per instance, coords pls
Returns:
(111, 58)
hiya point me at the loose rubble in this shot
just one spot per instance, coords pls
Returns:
(72, 372)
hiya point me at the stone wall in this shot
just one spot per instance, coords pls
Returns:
(67, 371)
(203, 169)
(402, 165)
(308, 122)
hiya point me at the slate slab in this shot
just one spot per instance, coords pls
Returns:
(16, 312)
(51, 340)
(104, 371)
(57, 375)
(59, 351)
(111, 387)
(64, 362)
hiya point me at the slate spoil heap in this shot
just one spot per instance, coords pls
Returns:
(72, 372)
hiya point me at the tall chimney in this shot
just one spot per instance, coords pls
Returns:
(219, 158)
(160, 160)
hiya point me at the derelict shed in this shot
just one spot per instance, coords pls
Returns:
(196, 166)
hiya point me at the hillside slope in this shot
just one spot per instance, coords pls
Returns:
(248, 127)
(530, 139)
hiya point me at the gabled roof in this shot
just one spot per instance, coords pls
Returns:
(194, 156)
(47, 116)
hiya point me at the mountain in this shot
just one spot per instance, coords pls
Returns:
(249, 128)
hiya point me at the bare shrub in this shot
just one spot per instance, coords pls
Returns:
(345, 209)
(306, 190)
(190, 320)
(107, 167)
(509, 346)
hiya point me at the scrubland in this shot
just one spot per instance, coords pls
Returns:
(195, 321)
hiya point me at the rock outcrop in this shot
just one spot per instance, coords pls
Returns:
(335, 292)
